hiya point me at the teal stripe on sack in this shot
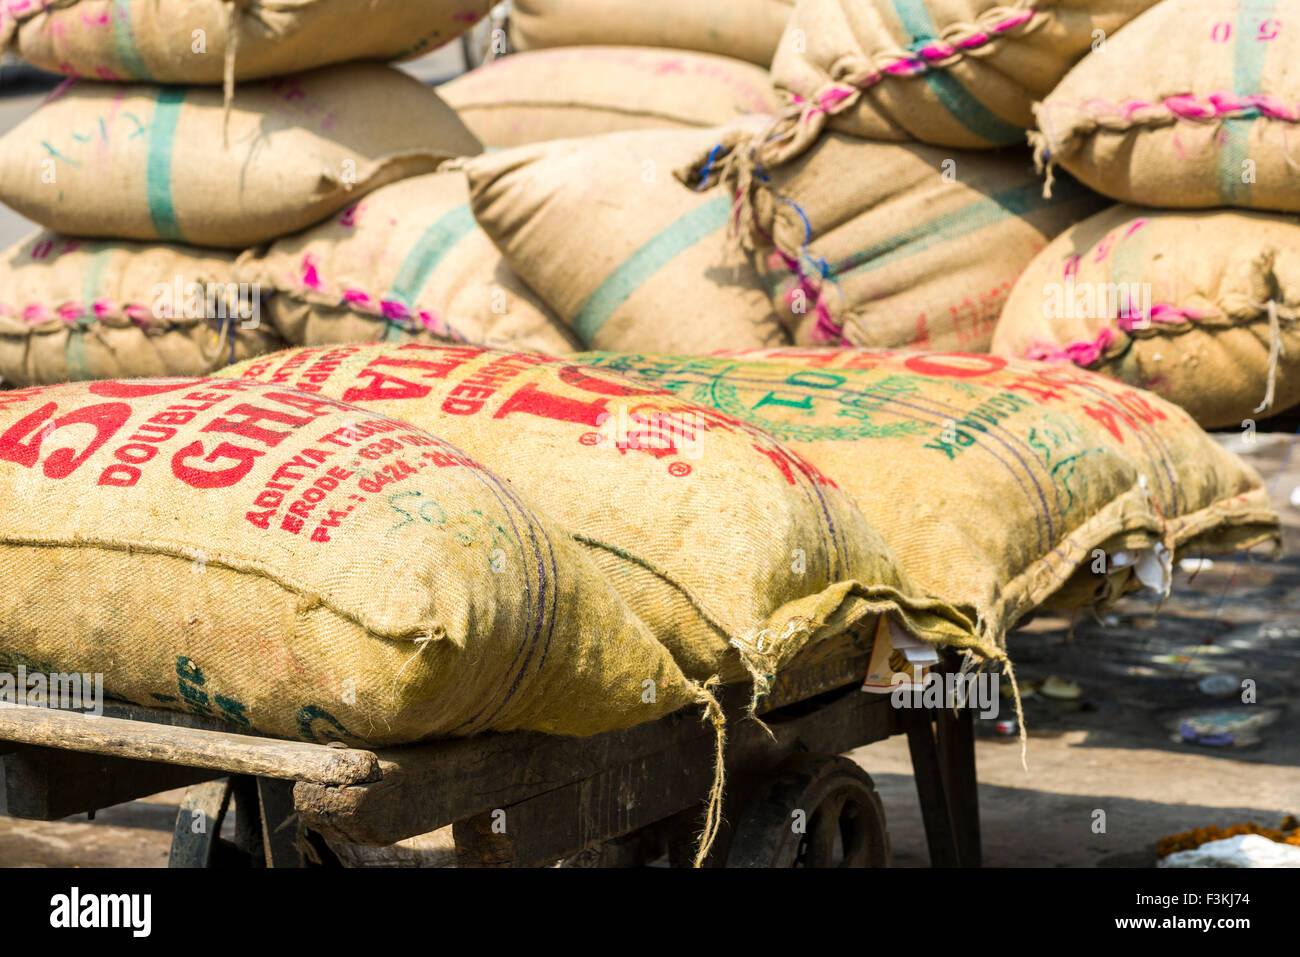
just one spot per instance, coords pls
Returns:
(158, 166)
(955, 98)
(1248, 57)
(962, 222)
(645, 262)
(74, 350)
(124, 40)
(429, 250)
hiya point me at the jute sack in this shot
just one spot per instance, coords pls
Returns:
(1086, 478)
(1204, 112)
(625, 256)
(407, 262)
(204, 41)
(304, 568)
(581, 91)
(73, 309)
(949, 72)
(739, 555)
(890, 245)
(1199, 307)
(748, 29)
(148, 162)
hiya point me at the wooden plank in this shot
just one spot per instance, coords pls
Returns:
(956, 739)
(198, 824)
(621, 780)
(558, 823)
(280, 839)
(190, 747)
(425, 787)
(935, 812)
(44, 784)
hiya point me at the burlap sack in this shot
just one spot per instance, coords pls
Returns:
(304, 568)
(629, 259)
(748, 29)
(407, 262)
(1199, 307)
(582, 91)
(147, 162)
(890, 245)
(995, 482)
(949, 72)
(1203, 111)
(736, 553)
(74, 309)
(196, 41)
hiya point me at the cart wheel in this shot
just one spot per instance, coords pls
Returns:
(817, 811)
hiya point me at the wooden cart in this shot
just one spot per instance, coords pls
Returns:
(519, 799)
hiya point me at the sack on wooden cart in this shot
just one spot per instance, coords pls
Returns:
(1000, 486)
(75, 309)
(304, 568)
(739, 554)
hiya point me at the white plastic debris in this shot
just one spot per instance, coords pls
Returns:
(1193, 565)
(1246, 850)
(1295, 497)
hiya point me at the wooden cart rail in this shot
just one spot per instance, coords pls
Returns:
(561, 795)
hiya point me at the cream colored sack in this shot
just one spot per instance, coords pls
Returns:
(147, 162)
(601, 230)
(582, 91)
(949, 72)
(748, 29)
(1204, 113)
(996, 483)
(202, 41)
(737, 553)
(407, 262)
(1199, 307)
(891, 245)
(74, 309)
(302, 568)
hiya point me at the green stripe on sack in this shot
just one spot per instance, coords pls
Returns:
(74, 350)
(429, 250)
(675, 239)
(962, 222)
(955, 98)
(158, 165)
(124, 40)
(1248, 57)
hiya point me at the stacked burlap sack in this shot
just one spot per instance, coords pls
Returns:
(151, 192)
(893, 203)
(1191, 288)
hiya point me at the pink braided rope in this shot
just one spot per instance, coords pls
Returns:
(927, 58)
(1189, 106)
